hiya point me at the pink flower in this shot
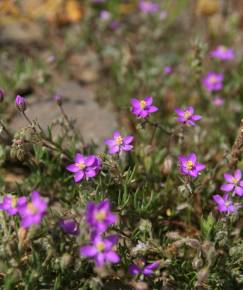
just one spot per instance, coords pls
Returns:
(187, 116)
(119, 143)
(84, 167)
(33, 211)
(143, 108)
(101, 250)
(224, 204)
(189, 165)
(213, 81)
(12, 203)
(148, 7)
(146, 270)
(218, 101)
(167, 70)
(234, 183)
(223, 53)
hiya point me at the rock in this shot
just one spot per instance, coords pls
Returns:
(93, 121)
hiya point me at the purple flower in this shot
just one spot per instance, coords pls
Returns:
(119, 143)
(69, 227)
(20, 103)
(84, 167)
(167, 70)
(143, 108)
(11, 204)
(58, 99)
(148, 7)
(223, 53)
(218, 101)
(234, 183)
(114, 24)
(224, 204)
(105, 15)
(101, 250)
(33, 211)
(213, 81)
(163, 15)
(1, 95)
(146, 270)
(187, 116)
(189, 165)
(99, 216)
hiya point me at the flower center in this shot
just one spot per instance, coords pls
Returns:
(189, 165)
(222, 48)
(100, 246)
(14, 202)
(119, 140)
(227, 203)
(187, 114)
(100, 215)
(81, 165)
(142, 104)
(235, 180)
(213, 80)
(31, 208)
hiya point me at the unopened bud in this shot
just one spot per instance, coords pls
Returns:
(167, 165)
(1, 95)
(20, 103)
(58, 99)
(66, 261)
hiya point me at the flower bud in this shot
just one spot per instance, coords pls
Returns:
(20, 103)
(65, 261)
(1, 95)
(58, 99)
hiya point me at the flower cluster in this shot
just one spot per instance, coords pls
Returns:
(234, 184)
(30, 212)
(85, 167)
(99, 218)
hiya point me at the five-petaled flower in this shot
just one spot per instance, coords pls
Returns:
(224, 204)
(99, 216)
(119, 143)
(223, 53)
(84, 167)
(189, 165)
(101, 249)
(11, 204)
(213, 81)
(143, 108)
(187, 116)
(32, 212)
(234, 183)
(146, 270)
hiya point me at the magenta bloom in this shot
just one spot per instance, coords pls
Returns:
(224, 204)
(58, 99)
(167, 70)
(84, 167)
(187, 116)
(99, 216)
(143, 108)
(101, 250)
(11, 204)
(223, 53)
(189, 165)
(146, 271)
(69, 227)
(218, 101)
(1, 95)
(148, 7)
(213, 81)
(105, 15)
(119, 143)
(234, 183)
(33, 211)
(20, 103)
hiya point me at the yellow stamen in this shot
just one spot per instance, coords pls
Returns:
(235, 180)
(31, 208)
(222, 48)
(100, 246)
(213, 80)
(81, 165)
(142, 104)
(187, 114)
(189, 165)
(119, 140)
(100, 215)
(14, 201)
